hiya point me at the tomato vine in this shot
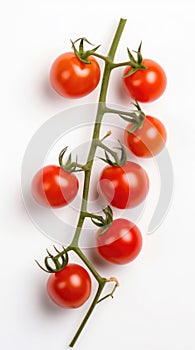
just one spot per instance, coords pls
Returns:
(56, 263)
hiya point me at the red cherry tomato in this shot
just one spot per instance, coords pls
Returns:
(53, 186)
(70, 287)
(120, 243)
(125, 186)
(146, 85)
(147, 141)
(72, 78)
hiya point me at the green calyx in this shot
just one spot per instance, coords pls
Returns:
(81, 53)
(135, 63)
(115, 160)
(99, 220)
(70, 166)
(55, 263)
(136, 118)
(107, 223)
(103, 222)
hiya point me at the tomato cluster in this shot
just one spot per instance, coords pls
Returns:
(123, 186)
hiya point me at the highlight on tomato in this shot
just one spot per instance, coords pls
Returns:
(54, 186)
(124, 186)
(70, 77)
(144, 79)
(70, 287)
(120, 243)
(148, 140)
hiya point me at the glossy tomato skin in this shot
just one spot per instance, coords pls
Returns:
(124, 187)
(120, 243)
(147, 141)
(53, 186)
(146, 85)
(70, 287)
(72, 78)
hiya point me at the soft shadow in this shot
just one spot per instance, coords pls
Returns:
(97, 260)
(47, 305)
(48, 91)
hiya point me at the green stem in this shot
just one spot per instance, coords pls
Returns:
(88, 314)
(116, 38)
(110, 295)
(93, 216)
(121, 64)
(117, 111)
(102, 57)
(96, 133)
(83, 257)
(109, 150)
(78, 165)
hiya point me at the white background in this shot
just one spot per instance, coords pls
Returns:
(154, 307)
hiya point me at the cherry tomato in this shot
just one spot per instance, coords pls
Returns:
(120, 243)
(146, 85)
(72, 78)
(125, 186)
(147, 141)
(70, 287)
(53, 186)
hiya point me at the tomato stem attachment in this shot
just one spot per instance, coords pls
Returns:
(70, 166)
(135, 63)
(83, 55)
(136, 118)
(59, 261)
(98, 220)
(117, 161)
